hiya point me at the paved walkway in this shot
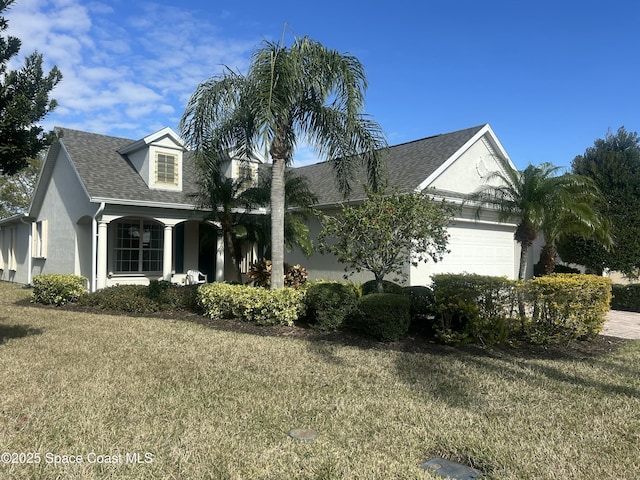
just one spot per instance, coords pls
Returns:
(622, 324)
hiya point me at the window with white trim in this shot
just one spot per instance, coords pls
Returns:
(166, 169)
(39, 239)
(138, 246)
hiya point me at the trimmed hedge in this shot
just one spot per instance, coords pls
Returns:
(383, 316)
(474, 308)
(566, 307)
(58, 289)
(329, 304)
(251, 304)
(626, 297)
(158, 296)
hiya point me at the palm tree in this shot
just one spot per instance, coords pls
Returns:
(544, 202)
(233, 204)
(298, 209)
(583, 219)
(305, 92)
(230, 205)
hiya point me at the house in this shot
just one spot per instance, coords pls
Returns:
(117, 210)
(450, 166)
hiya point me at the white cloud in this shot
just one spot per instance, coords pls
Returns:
(128, 71)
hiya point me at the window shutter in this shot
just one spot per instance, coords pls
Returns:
(34, 239)
(43, 238)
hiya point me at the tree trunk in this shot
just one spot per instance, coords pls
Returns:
(524, 252)
(231, 251)
(277, 223)
(379, 285)
(548, 259)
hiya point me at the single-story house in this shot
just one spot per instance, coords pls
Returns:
(116, 210)
(450, 166)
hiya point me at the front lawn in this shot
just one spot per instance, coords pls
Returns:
(165, 398)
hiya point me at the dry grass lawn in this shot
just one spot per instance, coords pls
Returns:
(203, 402)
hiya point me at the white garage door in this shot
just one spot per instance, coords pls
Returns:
(475, 248)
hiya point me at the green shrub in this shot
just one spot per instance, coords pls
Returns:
(421, 309)
(626, 297)
(250, 304)
(474, 308)
(157, 287)
(566, 307)
(383, 316)
(389, 287)
(123, 298)
(58, 289)
(173, 297)
(329, 304)
(260, 272)
(158, 296)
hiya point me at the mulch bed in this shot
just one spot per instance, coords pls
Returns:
(415, 343)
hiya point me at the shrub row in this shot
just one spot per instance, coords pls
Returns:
(626, 297)
(550, 309)
(158, 296)
(459, 309)
(383, 316)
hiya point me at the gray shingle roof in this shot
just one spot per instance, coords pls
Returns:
(108, 175)
(408, 165)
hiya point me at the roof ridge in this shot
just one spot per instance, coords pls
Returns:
(63, 129)
(477, 127)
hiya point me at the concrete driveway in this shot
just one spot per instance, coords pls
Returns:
(622, 324)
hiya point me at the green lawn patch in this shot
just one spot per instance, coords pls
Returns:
(201, 402)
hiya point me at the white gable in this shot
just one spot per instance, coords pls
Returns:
(468, 168)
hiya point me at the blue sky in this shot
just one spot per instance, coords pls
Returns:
(549, 76)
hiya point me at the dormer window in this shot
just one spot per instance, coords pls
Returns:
(158, 159)
(166, 169)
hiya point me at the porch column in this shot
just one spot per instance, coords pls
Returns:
(167, 253)
(101, 267)
(220, 260)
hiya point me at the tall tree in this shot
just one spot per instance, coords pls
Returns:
(234, 201)
(289, 94)
(16, 190)
(613, 163)
(538, 198)
(24, 101)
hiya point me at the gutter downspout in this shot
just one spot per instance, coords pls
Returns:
(94, 246)
(29, 251)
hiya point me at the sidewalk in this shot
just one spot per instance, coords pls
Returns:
(622, 324)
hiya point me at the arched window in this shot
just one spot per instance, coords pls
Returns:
(138, 246)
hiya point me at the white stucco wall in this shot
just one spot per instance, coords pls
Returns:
(64, 204)
(319, 266)
(469, 171)
(13, 270)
